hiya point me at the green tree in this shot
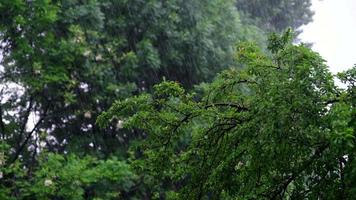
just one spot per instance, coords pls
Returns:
(277, 129)
(71, 59)
(277, 15)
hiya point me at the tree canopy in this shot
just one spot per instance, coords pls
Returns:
(277, 129)
(169, 99)
(72, 59)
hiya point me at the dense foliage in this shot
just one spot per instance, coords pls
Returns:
(271, 125)
(68, 177)
(277, 129)
(72, 59)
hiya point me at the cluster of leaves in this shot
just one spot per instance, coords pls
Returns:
(277, 129)
(67, 177)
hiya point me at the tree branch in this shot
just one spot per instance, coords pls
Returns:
(287, 180)
(25, 120)
(28, 137)
(233, 105)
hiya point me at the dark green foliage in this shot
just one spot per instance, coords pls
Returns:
(277, 15)
(72, 59)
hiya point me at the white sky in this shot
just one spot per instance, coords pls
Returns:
(333, 32)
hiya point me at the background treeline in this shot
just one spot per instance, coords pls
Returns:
(64, 62)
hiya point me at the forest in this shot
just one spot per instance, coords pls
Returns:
(170, 99)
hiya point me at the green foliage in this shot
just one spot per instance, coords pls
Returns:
(64, 62)
(277, 129)
(74, 58)
(68, 177)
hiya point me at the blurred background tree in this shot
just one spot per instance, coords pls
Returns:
(277, 15)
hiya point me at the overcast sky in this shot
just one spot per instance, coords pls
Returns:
(333, 32)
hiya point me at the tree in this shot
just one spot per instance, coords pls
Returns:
(277, 129)
(277, 15)
(72, 59)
